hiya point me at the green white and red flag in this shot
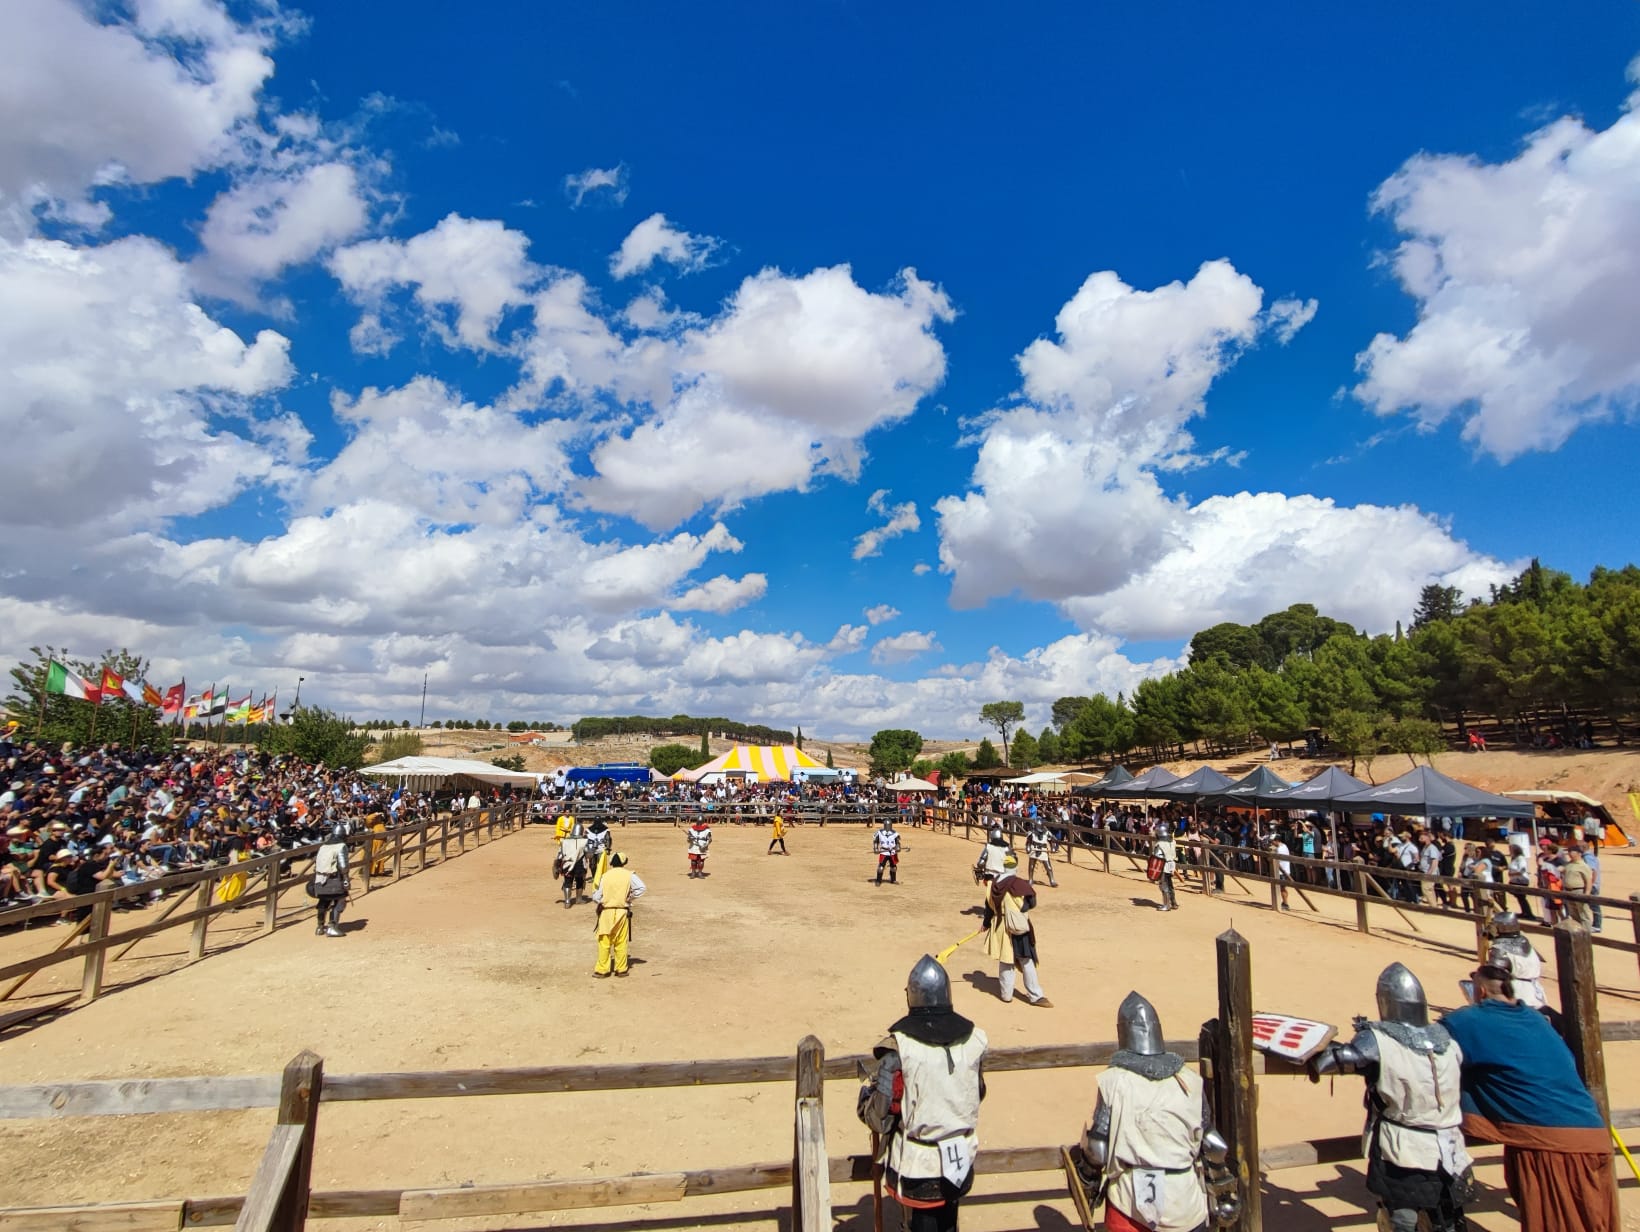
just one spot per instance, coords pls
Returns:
(60, 680)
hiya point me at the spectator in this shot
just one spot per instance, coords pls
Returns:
(1521, 1089)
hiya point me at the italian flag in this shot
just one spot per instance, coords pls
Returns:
(60, 680)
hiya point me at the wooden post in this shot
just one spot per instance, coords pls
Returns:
(202, 903)
(1238, 1109)
(1634, 915)
(398, 854)
(1361, 923)
(270, 899)
(91, 979)
(278, 1197)
(1207, 870)
(366, 850)
(444, 841)
(461, 833)
(811, 1174)
(1104, 847)
(1275, 882)
(1482, 941)
(1574, 964)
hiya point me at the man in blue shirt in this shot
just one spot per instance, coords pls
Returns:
(1521, 1088)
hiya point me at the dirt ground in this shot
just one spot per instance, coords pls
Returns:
(477, 964)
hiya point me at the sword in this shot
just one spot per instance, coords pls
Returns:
(1079, 1195)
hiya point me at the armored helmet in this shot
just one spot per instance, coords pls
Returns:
(995, 836)
(928, 985)
(338, 831)
(1401, 997)
(1138, 1029)
(1505, 924)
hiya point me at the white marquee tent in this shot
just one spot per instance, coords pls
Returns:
(421, 773)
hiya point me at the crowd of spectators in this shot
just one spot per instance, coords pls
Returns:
(75, 820)
(1392, 856)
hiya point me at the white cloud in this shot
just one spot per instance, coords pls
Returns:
(921, 567)
(1240, 557)
(722, 594)
(784, 384)
(901, 519)
(903, 647)
(1527, 279)
(847, 639)
(612, 180)
(1288, 316)
(1076, 471)
(471, 268)
(655, 239)
(140, 93)
(882, 613)
(257, 229)
(121, 392)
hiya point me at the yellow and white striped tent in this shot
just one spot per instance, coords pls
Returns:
(770, 763)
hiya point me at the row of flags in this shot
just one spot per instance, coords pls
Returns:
(174, 703)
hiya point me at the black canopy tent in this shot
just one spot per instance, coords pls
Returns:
(1426, 792)
(1318, 792)
(1144, 786)
(1200, 782)
(1251, 791)
(1114, 777)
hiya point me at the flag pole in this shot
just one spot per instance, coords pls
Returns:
(95, 706)
(45, 675)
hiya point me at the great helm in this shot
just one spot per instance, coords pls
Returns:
(928, 986)
(1138, 1029)
(1401, 997)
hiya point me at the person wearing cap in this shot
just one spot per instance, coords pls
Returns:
(1576, 877)
(619, 889)
(1010, 936)
(921, 1102)
(1521, 1089)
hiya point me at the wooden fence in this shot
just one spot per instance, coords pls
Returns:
(1203, 865)
(266, 879)
(684, 812)
(280, 1200)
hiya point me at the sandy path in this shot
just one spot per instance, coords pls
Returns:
(475, 964)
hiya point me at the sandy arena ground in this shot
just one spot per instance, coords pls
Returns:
(476, 963)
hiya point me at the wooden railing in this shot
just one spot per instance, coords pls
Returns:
(266, 878)
(684, 812)
(1202, 865)
(279, 1193)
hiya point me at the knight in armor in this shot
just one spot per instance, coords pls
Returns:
(1150, 1151)
(572, 863)
(886, 844)
(989, 865)
(922, 1100)
(698, 838)
(1039, 844)
(1416, 1161)
(1510, 950)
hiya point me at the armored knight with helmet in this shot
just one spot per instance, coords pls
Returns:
(1150, 1152)
(1416, 1162)
(923, 1099)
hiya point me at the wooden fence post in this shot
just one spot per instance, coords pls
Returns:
(811, 1174)
(1634, 915)
(398, 854)
(91, 979)
(444, 840)
(278, 1197)
(1238, 1102)
(1361, 923)
(1574, 964)
(366, 851)
(270, 898)
(202, 903)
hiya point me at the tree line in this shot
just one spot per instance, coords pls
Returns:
(678, 725)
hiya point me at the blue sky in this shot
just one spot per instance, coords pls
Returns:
(832, 367)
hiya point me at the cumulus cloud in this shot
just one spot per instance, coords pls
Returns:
(882, 613)
(1527, 278)
(1076, 472)
(782, 386)
(116, 381)
(261, 227)
(125, 93)
(610, 180)
(466, 273)
(900, 520)
(1287, 316)
(654, 239)
(848, 639)
(903, 647)
(722, 594)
